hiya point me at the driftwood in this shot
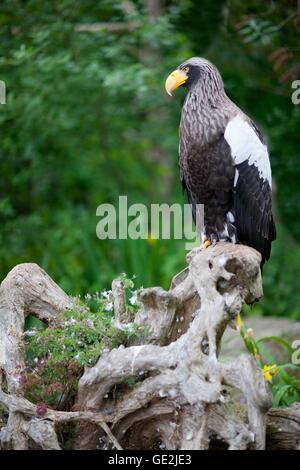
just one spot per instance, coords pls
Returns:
(185, 396)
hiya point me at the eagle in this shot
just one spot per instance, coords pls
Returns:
(224, 161)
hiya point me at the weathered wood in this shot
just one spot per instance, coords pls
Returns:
(120, 310)
(27, 289)
(283, 428)
(185, 398)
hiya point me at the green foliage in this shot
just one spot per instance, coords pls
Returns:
(55, 356)
(87, 120)
(81, 105)
(284, 378)
(286, 383)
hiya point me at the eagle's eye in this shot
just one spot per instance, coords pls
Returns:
(185, 69)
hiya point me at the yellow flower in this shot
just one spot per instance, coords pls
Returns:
(249, 333)
(269, 371)
(239, 323)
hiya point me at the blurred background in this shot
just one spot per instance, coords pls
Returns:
(87, 119)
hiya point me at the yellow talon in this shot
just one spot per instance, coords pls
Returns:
(205, 244)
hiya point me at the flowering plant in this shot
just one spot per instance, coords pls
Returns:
(284, 379)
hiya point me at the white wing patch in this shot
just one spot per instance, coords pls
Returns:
(236, 176)
(246, 145)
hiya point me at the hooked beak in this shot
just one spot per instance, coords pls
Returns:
(175, 80)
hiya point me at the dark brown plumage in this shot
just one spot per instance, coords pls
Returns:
(223, 161)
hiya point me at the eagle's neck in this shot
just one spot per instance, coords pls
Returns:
(209, 87)
(205, 112)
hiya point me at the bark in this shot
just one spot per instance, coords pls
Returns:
(185, 396)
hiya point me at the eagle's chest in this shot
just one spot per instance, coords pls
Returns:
(197, 166)
(207, 168)
(205, 157)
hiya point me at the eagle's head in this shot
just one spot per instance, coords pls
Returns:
(194, 72)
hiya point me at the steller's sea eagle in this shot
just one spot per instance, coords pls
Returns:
(223, 159)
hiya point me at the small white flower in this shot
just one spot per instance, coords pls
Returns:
(71, 321)
(130, 327)
(30, 333)
(133, 299)
(108, 306)
(77, 357)
(36, 360)
(106, 294)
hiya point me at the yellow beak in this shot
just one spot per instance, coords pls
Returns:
(175, 80)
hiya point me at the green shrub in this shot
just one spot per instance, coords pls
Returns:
(283, 378)
(56, 355)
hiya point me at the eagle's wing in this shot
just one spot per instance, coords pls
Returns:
(252, 185)
(191, 201)
(190, 198)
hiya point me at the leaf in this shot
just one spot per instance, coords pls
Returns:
(280, 394)
(285, 376)
(278, 340)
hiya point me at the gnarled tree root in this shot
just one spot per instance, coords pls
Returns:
(184, 397)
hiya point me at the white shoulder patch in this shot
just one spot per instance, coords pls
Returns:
(246, 145)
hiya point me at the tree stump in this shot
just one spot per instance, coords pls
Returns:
(185, 397)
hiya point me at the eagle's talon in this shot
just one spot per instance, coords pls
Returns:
(205, 244)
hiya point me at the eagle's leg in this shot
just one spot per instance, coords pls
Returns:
(205, 243)
(208, 241)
